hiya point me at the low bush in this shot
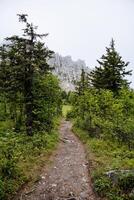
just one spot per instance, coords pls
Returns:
(19, 156)
(105, 156)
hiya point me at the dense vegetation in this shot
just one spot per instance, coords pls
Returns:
(103, 106)
(30, 100)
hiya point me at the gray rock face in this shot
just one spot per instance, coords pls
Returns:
(67, 70)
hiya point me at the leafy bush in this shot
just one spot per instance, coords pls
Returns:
(70, 115)
(19, 154)
(106, 116)
(2, 189)
(126, 182)
(102, 185)
(121, 190)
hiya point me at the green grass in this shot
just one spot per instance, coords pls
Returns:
(103, 156)
(106, 155)
(6, 125)
(22, 158)
(66, 109)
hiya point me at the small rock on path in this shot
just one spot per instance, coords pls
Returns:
(68, 177)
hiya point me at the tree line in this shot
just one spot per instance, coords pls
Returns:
(103, 103)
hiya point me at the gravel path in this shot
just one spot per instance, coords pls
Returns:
(67, 178)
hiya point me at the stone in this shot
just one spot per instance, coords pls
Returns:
(67, 70)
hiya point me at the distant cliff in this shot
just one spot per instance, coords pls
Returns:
(67, 70)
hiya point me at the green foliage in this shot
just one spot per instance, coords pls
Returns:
(64, 96)
(2, 188)
(30, 102)
(47, 102)
(111, 72)
(65, 110)
(28, 91)
(106, 155)
(105, 188)
(105, 116)
(105, 123)
(102, 186)
(126, 182)
(70, 115)
(20, 155)
(82, 84)
(120, 190)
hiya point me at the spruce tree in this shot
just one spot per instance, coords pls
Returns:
(111, 71)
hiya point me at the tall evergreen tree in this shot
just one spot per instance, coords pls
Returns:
(82, 84)
(111, 71)
(24, 58)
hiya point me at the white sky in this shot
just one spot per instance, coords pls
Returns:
(80, 28)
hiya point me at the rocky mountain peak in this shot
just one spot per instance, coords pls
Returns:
(67, 70)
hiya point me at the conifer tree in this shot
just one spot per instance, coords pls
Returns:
(23, 60)
(82, 84)
(111, 71)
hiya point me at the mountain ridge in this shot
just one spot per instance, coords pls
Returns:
(67, 70)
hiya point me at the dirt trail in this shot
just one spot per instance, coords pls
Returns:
(67, 178)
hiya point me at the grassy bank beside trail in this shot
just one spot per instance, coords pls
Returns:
(22, 157)
(104, 156)
(66, 109)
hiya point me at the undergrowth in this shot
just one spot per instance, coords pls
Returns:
(105, 156)
(22, 157)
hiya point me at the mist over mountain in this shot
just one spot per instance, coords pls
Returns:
(67, 70)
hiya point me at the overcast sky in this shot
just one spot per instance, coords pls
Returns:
(80, 28)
